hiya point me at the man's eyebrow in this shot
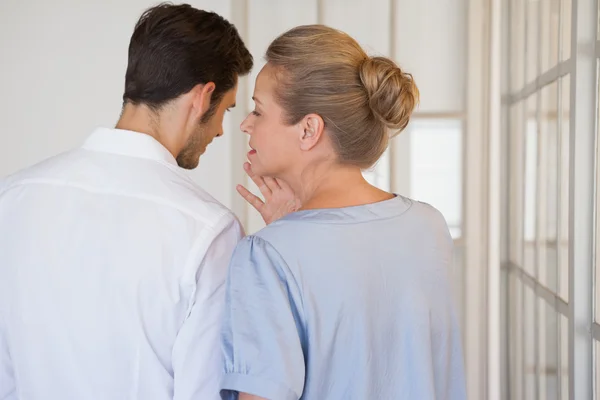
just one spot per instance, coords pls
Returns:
(232, 106)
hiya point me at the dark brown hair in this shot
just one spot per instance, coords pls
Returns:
(176, 47)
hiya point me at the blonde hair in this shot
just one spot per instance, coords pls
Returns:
(325, 71)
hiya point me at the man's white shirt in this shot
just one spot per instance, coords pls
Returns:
(112, 272)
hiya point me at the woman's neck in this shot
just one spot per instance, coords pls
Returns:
(335, 186)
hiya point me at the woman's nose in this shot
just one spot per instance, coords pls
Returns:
(245, 126)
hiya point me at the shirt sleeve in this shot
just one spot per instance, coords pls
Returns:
(196, 357)
(263, 326)
(8, 389)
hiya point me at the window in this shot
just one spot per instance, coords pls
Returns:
(436, 167)
(548, 249)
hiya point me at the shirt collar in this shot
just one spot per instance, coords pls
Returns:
(128, 143)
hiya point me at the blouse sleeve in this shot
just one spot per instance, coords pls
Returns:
(263, 325)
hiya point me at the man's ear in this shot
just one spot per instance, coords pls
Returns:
(311, 131)
(202, 96)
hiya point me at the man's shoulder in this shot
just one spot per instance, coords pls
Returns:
(206, 208)
(41, 170)
(187, 195)
(98, 173)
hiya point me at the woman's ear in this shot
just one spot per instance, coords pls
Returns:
(311, 131)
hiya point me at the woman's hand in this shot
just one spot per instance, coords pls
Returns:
(280, 199)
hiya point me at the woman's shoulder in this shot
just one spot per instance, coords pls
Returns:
(269, 241)
(280, 231)
(282, 242)
(426, 210)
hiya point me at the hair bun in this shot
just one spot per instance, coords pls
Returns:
(392, 93)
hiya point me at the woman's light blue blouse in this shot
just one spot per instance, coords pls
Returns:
(351, 303)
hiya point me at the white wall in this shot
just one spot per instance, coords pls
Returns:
(62, 73)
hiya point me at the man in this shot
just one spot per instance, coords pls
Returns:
(112, 261)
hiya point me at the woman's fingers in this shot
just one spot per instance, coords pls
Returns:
(252, 199)
(271, 183)
(258, 180)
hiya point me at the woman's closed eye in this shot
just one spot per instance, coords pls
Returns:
(255, 113)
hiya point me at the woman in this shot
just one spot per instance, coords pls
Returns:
(349, 297)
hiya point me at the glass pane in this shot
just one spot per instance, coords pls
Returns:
(565, 21)
(516, 337)
(564, 357)
(427, 32)
(548, 188)
(549, 35)
(516, 184)
(517, 45)
(548, 349)
(529, 342)
(436, 167)
(532, 10)
(530, 186)
(563, 248)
